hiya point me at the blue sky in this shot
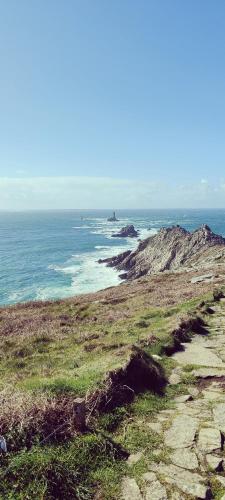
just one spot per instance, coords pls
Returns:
(112, 103)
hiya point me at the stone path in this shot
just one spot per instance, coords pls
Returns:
(194, 430)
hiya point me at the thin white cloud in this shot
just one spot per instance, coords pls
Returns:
(20, 171)
(22, 193)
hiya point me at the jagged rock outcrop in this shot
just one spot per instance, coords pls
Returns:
(126, 232)
(170, 249)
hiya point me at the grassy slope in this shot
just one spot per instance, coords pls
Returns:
(54, 351)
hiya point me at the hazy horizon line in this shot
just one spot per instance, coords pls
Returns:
(106, 209)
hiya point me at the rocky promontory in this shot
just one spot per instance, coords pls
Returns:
(169, 250)
(126, 232)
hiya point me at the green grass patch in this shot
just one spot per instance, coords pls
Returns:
(78, 386)
(63, 472)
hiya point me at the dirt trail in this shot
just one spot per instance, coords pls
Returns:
(194, 429)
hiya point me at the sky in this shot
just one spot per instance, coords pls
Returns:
(112, 104)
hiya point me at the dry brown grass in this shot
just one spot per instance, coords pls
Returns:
(57, 318)
(26, 418)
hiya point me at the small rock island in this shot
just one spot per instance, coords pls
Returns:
(126, 232)
(113, 218)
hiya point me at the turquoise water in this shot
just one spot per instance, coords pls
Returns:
(53, 254)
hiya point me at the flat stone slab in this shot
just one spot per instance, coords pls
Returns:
(188, 482)
(208, 372)
(183, 399)
(149, 477)
(130, 489)
(214, 462)
(204, 277)
(209, 439)
(219, 416)
(184, 458)
(182, 432)
(197, 354)
(156, 492)
(199, 408)
(134, 458)
(213, 395)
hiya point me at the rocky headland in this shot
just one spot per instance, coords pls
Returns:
(171, 249)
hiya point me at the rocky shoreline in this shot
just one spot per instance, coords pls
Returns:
(170, 249)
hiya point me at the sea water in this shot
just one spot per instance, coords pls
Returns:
(54, 254)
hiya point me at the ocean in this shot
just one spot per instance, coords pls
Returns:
(54, 254)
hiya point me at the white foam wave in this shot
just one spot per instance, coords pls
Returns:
(101, 247)
(87, 275)
(81, 227)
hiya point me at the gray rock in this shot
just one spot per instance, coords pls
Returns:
(214, 462)
(149, 477)
(134, 458)
(213, 395)
(188, 482)
(219, 416)
(183, 399)
(156, 492)
(182, 432)
(174, 378)
(130, 489)
(170, 249)
(204, 277)
(126, 232)
(184, 458)
(208, 372)
(209, 439)
(80, 414)
(197, 354)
